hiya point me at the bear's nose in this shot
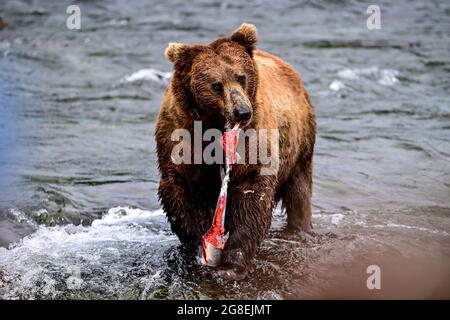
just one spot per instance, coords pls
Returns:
(242, 114)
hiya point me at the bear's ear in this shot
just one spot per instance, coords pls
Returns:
(175, 51)
(246, 36)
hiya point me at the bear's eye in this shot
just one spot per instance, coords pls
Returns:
(217, 87)
(241, 80)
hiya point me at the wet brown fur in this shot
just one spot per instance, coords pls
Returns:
(188, 192)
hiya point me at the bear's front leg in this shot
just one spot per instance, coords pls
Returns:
(249, 214)
(189, 205)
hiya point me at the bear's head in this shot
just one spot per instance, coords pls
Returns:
(217, 82)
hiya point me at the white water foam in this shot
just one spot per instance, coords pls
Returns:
(403, 226)
(149, 75)
(34, 266)
(126, 215)
(336, 85)
(20, 217)
(335, 219)
(385, 77)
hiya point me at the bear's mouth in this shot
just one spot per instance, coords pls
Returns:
(242, 124)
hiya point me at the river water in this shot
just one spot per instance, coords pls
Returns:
(79, 215)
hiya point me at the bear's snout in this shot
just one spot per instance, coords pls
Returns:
(242, 110)
(242, 113)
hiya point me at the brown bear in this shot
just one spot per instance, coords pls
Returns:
(226, 82)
